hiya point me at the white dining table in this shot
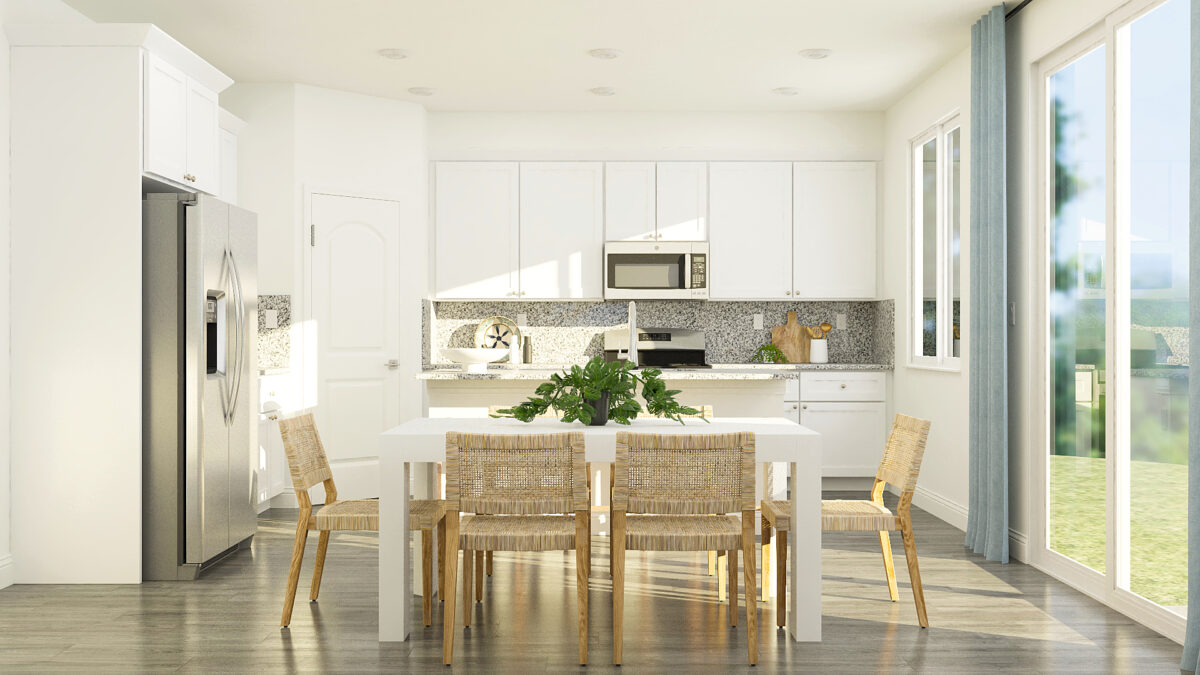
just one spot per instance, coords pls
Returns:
(424, 440)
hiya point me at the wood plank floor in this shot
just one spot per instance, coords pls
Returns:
(984, 617)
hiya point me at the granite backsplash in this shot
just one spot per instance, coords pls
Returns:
(274, 344)
(569, 332)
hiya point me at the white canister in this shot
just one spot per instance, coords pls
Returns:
(818, 351)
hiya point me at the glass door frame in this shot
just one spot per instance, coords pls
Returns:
(1111, 587)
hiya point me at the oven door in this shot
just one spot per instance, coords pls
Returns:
(636, 275)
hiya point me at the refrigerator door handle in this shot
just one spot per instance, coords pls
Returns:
(240, 353)
(226, 388)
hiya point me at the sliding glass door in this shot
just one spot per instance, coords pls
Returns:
(1116, 168)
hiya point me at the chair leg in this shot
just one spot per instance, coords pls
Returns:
(468, 605)
(885, 544)
(319, 565)
(712, 563)
(751, 588)
(582, 553)
(722, 576)
(426, 576)
(489, 563)
(441, 551)
(733, 585)
(618, 583)
(450, 557)
(781, 545)
(479, 576)
(289, 598)
(914, 572)
(766, 561)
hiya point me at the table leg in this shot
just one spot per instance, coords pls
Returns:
(805, 544)
(395, 593)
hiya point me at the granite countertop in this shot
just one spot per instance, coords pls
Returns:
(719, 371)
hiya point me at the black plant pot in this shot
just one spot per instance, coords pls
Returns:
(601, 406)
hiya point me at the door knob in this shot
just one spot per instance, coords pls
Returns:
(392, 364)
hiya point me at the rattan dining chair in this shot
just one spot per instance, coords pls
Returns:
(519, 478)
(900, 466)
(671, 484)
(309, 466)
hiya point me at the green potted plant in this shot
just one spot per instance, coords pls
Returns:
(600, 391)
(769, 354)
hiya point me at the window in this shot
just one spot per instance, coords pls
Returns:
(936, 229)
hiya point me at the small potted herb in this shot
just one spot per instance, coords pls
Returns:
(769, 354)
(600, 391)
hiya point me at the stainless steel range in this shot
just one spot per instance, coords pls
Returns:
(658, 347)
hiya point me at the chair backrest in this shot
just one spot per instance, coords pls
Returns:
(305, 452)
(682, 474)
(901, 463)
(516, 473)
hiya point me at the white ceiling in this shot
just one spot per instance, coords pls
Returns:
(703, 55)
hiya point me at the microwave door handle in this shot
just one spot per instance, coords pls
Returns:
(687, 271)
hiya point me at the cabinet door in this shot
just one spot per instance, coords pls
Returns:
(750, 230)
(852, 436)
(228, 149)
(203, 139)
(476, 229)
(165, 124)
(628, 201)
(562, 229)
(682, 201)
(834, 230)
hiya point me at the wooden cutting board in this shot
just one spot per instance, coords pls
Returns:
(792, 339)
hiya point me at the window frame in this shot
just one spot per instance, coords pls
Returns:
(944, 340)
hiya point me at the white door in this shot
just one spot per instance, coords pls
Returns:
(203, 139)
(750, 230)
(355, 289)
(629, 201)
(834, 214)
(852, 436)
(477, 222)
(682, 201)
(562, 229)
(166, 119)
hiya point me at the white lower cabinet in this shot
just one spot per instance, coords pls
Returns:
(848, 409)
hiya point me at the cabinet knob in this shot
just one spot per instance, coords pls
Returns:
(658, 236)
(650, 236)
(789, 293)
(804, 407)
(522, 292)
(843, 386)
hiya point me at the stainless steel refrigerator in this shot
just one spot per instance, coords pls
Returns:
(200, 382)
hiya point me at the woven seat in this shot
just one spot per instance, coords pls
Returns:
(855, 515)
(778, 514)
(515, 479)
(665, 488)
(349, 514)
(683, 533)
(309, 466)
(517, 533)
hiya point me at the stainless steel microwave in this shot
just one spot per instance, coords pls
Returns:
(656, 270)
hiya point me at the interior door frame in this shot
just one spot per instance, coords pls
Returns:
(304, 279)
(1102, 587)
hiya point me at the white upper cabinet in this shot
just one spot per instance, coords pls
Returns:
(682, 201)
(835, 223)
(562, 229)
(629, 201)
(477, 216)
(166, 132)
(750, 230)
(231, 126)
(181, 127)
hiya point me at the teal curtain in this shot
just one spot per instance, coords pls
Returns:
(987, 517)
(1191, 643)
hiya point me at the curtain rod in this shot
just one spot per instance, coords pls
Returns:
(1013, 12)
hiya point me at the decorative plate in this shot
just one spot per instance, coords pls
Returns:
(497, 332)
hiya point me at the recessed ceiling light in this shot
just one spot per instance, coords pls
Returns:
(603, 91)
(422, 91)
(605, 53)
(816, 54)
(393, 53)
(785, 91)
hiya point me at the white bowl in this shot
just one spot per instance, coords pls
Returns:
(474, 359)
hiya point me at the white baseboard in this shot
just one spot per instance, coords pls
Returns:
(955, 514)
(6, 571)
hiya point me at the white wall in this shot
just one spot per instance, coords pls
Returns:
(938, 396)
(11, 12)
(655, 135)
(301, 139)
